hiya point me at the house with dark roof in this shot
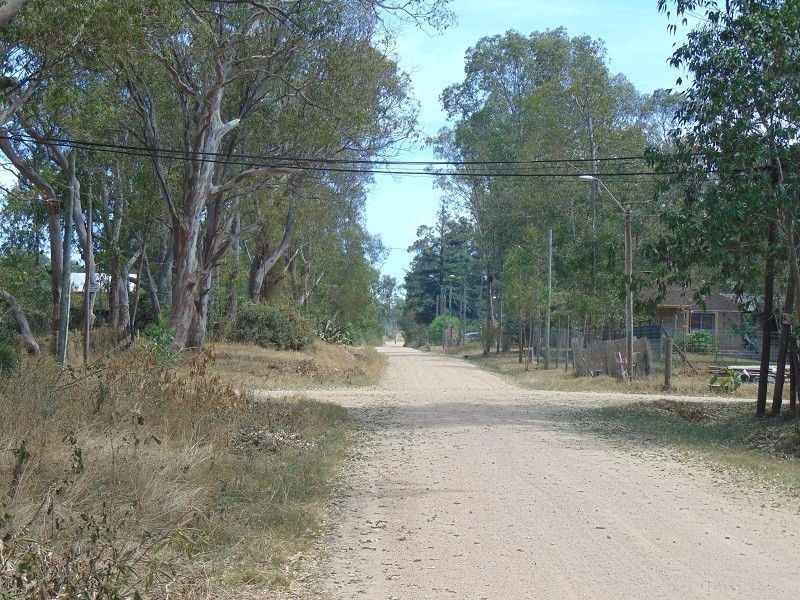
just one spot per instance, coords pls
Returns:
(680, 312)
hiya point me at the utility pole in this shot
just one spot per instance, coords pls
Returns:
(463, 309)
(628, 274)
(444, 314)
(66, 283)
(549, 298)
(629, 292)
(87, 285)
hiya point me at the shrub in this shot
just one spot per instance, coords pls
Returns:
(700, 341)
(440, 325)
(332, 333)
(727, 382)
(281, 327)
(158, 339)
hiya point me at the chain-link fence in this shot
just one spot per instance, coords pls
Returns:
(724, 345)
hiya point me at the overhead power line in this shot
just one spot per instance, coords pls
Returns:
(536, 168)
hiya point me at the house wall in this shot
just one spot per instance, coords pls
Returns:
(676, 320)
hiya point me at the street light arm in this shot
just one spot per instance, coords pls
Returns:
(628, 277)
(608, 191)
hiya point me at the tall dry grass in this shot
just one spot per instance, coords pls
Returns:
(325, 365)
(141, 477)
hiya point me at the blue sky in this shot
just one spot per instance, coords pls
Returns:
(638, 45)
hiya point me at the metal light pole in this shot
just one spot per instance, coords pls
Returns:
(628, 274)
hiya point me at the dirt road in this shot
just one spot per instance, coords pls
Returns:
(467, 487)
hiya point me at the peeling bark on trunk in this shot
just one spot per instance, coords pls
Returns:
(119, 293)
(302, 286)
(199, 326)
(149, 285)
(205, 185)
(10, 9)
(164, 276)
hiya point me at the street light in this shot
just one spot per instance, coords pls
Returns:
(628, 274)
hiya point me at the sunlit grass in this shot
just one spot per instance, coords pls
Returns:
(684, 381)
(142, 475)
(326, 365)
(729, 434)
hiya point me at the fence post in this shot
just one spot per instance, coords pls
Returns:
(668, 364)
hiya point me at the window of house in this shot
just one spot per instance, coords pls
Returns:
(704, 321)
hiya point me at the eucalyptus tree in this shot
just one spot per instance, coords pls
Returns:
(229, 80)
(543, 109)
(347, 294)
(736, 140)
(524, 287)
(51, 54)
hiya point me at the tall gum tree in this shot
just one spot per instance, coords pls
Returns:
(532, 98)
(187, 86)
(48, 50)
(736, 148)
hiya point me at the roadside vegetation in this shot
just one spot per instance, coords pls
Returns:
(324, 365)
(684, 381)
(150, 475)
(571, 189)
(729, 434)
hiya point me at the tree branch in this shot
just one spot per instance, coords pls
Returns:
(22, 323)
(9, 9)
(35, 178)
(234, 182)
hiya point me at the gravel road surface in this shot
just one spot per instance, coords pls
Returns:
(463, 486)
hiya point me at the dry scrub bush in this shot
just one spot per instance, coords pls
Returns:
(136, 476)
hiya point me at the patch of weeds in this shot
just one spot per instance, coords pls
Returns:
(272, 501)
(158, 339)
(726, 382)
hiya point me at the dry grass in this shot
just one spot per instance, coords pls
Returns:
(326, 365)
(766, 449)
(138, 476)
(684, 381)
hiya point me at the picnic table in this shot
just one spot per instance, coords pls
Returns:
(747, 373)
